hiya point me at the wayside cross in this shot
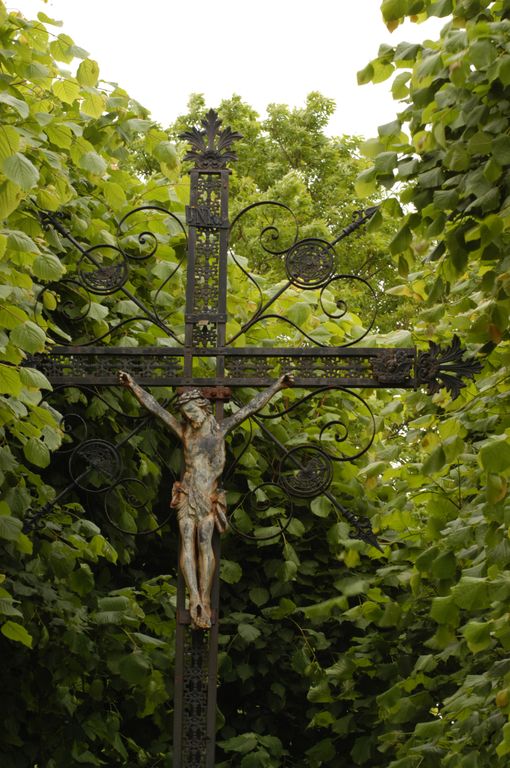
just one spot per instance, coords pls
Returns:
(207, 363)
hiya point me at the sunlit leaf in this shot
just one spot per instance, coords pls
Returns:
(20, 170)
(14, 631)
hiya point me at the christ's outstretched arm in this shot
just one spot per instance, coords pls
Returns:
(151, 404)
(257, 403)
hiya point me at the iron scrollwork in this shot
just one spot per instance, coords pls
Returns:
(104, 270)
(306, 471)
(309, 264)
(95, 466)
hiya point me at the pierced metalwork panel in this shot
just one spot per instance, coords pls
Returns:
(207, 216)
(195, 688)
(160, 366)
(204, 334)
(207, 254)
(352, 368)
(74, 366)
(208, 191)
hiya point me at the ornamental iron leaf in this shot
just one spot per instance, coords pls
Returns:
(445, 368)
(210, 148)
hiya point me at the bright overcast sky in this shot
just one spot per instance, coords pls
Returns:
(267, 51)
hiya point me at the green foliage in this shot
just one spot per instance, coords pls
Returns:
(88, 647)
(329, 651)
(445, 160)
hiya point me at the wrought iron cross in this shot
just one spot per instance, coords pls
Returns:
(208, 359)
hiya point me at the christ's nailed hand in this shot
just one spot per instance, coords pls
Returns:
(125, 379)
(287, 379)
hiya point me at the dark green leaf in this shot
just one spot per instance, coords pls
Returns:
(230, 572)
(248, 632)
(134, 668)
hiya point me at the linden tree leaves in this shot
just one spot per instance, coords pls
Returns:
(9, 141)
(10, 197)
(48, 267)
(495, 454)
(93, 104)
(93, 162)
(88, 72)
(29, 337)
(16, 632)
(20, 106)
(67, 90)
(10, 381)
(20, 170)
(37, 452)
(230, 571)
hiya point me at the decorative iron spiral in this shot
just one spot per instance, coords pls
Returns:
(343, 306)
(305, 471)
(271, 237)
(95, 465)
(310, 263)
(72, 307)
(103, 278)
(75, 429)
(146, 240)
(347, 442)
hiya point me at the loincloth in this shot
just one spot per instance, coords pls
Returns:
(189, 507)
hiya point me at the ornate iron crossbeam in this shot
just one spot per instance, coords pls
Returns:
(365, 368)
(198, 341)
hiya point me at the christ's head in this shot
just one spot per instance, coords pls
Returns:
(194, 407)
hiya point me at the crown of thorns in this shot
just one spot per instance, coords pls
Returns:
(192, 394)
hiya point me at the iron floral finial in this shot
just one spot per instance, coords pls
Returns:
(445, 367)
(210, 148)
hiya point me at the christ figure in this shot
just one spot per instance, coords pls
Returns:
(199, 501)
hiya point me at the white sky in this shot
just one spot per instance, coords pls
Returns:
(266, 51)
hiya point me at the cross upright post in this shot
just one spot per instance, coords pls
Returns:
(205, 323)
(309, 265)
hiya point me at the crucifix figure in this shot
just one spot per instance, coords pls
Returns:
(197, 497)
